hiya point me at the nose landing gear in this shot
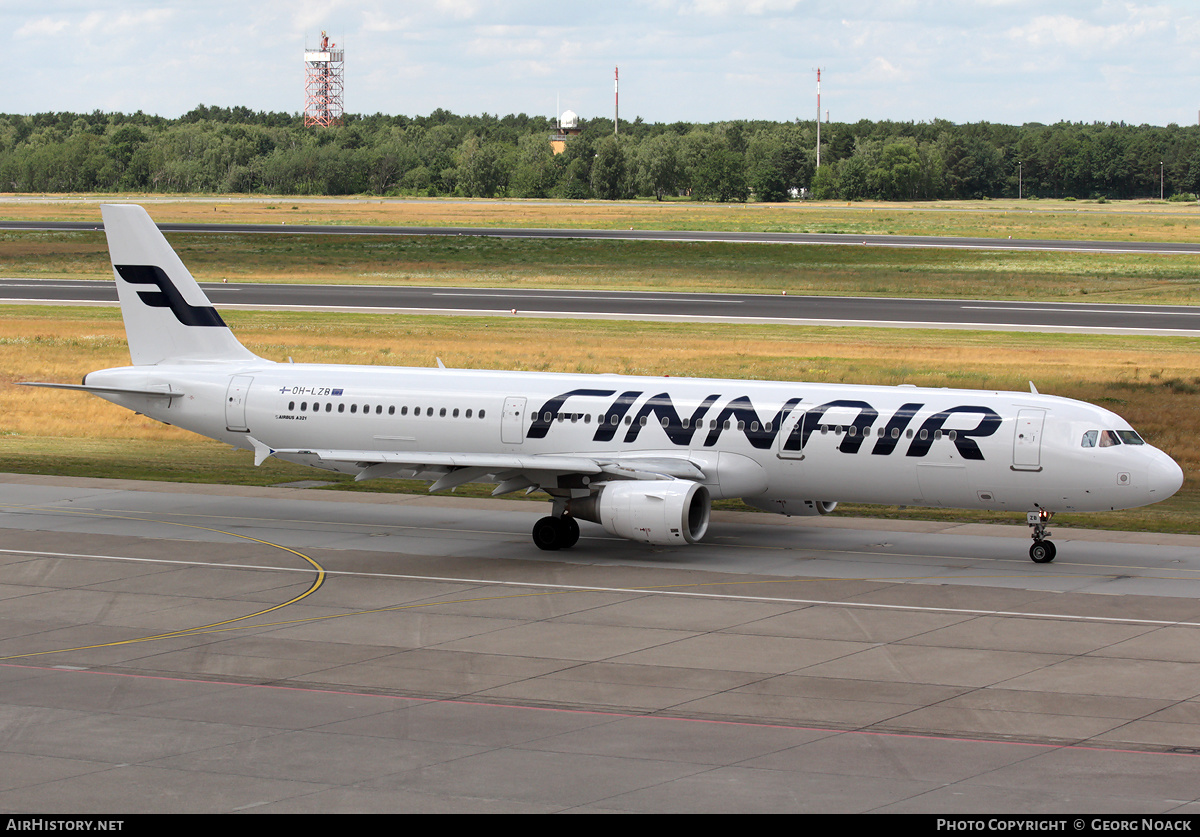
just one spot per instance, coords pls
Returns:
(1042, 551)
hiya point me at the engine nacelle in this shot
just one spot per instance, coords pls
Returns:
(662, 512)
(790, 507)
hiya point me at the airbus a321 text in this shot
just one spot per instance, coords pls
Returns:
(643, 457)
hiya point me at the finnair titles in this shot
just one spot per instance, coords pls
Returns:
(642, 457)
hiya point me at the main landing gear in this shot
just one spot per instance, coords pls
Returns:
(1042, 551)
(552, 533)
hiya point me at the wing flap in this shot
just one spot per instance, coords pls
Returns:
(510, 471)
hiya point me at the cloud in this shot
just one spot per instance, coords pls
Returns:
(1046, 31)
(43, 27)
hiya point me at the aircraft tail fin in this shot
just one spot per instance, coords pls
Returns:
(167, 316)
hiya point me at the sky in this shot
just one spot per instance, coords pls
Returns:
(1006, 61)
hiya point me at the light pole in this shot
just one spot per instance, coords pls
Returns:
(1160, 180)
(1020, 180)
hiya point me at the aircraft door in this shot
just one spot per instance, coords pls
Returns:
(784, 441)
(512, 422)
(1027, 440)
(235, 403)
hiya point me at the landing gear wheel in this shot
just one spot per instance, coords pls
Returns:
(550, 534)
(1042, 552)
(570, 531)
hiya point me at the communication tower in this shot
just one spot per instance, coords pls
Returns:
(323, 74)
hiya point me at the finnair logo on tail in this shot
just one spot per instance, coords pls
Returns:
(168, 296)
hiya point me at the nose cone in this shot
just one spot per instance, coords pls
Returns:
(1165, 478)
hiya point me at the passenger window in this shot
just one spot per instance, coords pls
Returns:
(429, 411)
(391, 410)
(341, 408)
(1089, 439)
(291, 405)
(469, 414)
(378, 409)
(481, 412)
(354, 408)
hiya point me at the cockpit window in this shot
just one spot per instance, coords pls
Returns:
(1089, 438)
(1108, 438)
(1130, 437)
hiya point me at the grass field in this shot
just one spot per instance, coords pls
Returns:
(1112, 221)
(1152, 381)
(641, 265)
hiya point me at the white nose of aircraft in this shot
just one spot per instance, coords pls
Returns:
(1165, 477)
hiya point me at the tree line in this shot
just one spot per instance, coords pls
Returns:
(236, 150)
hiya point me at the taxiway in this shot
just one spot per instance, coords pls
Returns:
(205, 648)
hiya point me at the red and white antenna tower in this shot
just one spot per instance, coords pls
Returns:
(616, 100)
(323, 74)
(818, 117)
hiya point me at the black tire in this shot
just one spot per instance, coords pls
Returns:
(549, 534)
(570, 527)
(1042, 552)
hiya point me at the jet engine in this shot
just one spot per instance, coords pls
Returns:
(662, 512)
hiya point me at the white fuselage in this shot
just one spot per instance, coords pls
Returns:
(774, 443)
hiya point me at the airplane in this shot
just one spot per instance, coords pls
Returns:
(644, 457)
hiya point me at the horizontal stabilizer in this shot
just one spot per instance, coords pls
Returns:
(165, 392)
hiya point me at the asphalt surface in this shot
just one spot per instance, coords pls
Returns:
(183, 648)
(814, 310)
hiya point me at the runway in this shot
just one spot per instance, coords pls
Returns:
(209, 648)
(845, 239)
(1076, 318)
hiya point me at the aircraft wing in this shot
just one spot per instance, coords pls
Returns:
(511, 471)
